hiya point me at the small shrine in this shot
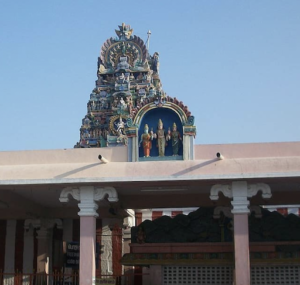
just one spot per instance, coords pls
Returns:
(129, 107)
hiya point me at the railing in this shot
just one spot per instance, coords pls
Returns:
(58, 278)
(38, 279)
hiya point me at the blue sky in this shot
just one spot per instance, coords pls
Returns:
(235, 64)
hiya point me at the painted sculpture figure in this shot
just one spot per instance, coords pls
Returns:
(146, 141)
(120, 126)
(123, 64)
(176, 140)
(161, 138)
(155, 63)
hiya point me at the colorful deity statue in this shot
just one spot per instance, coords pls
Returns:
(176, 139)
(161, 138)
(146, 139)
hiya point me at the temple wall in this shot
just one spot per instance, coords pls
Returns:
(248, 150)
(120, 154)
(83, 165)
(78, 155)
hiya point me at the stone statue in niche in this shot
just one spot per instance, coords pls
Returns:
(122, 103)
(161, 138)
(121, 78)
(146, 139)
(175, 138)
(120, 126)
(140, 77)
(100, 80)
(123, 64)
(155, 62)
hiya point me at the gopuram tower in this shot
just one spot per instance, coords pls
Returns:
(129, 107)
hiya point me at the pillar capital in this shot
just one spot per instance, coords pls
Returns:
(87, 209)
(87, 197)
(43, 233)
(43, 225)
(240, 191)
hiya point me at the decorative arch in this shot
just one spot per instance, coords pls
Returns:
(112, 49)
(169, 113)
(168, 105)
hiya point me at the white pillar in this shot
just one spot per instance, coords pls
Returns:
(88, 215)
(240, 191)
(44, 237)
(87, 195)
(240, 213)
(186, 147)
(43, 250)
(28, 255)
(28, 250)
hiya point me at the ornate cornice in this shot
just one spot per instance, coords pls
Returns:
(264, 188)
(225, 189)
(64, 195)
(35, 223)
(87, 195)
(111, 192)
(43, 226)
(240, 191)
(43, 223)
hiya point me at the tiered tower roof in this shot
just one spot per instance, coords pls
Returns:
(128, 80)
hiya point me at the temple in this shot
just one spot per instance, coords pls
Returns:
(129, 107)
(137, 202)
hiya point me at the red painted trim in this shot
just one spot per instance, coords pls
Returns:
(156, 214)
(117, 250)
(138, 218)
(283, 211)
(175, 213)
(2, 243)
(19, 246)
(204, 247)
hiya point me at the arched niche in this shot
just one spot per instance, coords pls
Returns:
(169, 113)
(151, 118)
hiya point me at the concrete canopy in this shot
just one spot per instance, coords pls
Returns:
(35, 179)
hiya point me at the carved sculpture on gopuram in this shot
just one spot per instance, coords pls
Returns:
(128, 96)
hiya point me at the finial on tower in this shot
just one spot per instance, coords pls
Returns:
(124, 32)
(148, 39)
